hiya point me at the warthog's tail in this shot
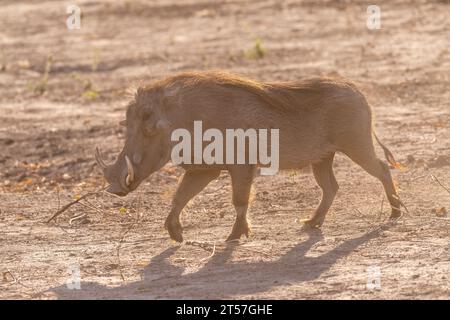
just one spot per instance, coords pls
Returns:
(388, 154)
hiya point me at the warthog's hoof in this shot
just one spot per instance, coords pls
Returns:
(313, 222)
(395, 215)
(175, 230)
(239, 229)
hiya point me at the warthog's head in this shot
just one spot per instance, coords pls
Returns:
(146, 149)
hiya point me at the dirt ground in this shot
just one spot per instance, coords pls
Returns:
(63, 92)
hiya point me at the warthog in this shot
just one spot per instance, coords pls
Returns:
(315, 117)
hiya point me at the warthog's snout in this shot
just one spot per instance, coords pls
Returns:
(117, 190)
(120, 180)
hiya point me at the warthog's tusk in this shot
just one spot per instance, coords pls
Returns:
(99, 160)
(130, 176)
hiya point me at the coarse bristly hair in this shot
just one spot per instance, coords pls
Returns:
(278, 95)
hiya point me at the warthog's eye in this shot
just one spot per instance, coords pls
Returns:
(149, 125)
(146, 116)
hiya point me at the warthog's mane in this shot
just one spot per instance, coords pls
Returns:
(278, 95)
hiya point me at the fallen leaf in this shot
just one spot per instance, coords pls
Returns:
(442, 212)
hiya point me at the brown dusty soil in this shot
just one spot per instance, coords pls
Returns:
(50, 127)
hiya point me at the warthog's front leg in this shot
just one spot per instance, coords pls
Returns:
(241, 179)
(192, 183)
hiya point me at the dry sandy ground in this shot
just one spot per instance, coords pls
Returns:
(51, 122)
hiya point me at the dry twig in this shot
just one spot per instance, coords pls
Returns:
(67, 206)
(437, 180)
(130, 227)
(78, 217)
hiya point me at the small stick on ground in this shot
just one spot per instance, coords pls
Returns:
(211, 255)
(437, 180)
(80, 216)
(91, 206)
(17, 280)
(67, 206)
(204, 245)
(360, 214)
(119, 245)
(419, 177)
(122, 238)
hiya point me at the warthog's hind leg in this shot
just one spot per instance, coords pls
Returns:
(192, 183)
(241, 179)
(377, 168)
(323, 172)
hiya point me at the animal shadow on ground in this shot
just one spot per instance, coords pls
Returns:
(220, 278)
